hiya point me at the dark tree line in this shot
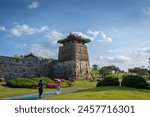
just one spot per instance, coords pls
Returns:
(138, 71)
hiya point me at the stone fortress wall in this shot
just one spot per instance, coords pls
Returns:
(73, 62)
(30, 66)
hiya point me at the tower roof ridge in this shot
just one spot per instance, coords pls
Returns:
(74, 37)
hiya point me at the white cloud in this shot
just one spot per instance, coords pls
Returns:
(21, 46)
(104, 37)
(113, 51)
(121, 61)
(43, 28)
(143, 51)
(18, 30)
(93, 33)
(2, 28)
(115, 30)
(42, 51)
(54, 36)
(99, 36)
(33, 5)
(114, 60)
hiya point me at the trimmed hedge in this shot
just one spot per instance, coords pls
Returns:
(108, 81)
(21, 83)
(44, 79)
(27, 83)
(134, 81)
(142, 85)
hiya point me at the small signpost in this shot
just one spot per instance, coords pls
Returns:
(120, 81)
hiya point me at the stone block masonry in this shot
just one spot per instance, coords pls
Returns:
(29, 66)
(73, 62)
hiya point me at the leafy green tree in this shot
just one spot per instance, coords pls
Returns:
(47, 59)
(109, 69)
(18, 56)
(95, 73)
(149, 68)
(142, 71)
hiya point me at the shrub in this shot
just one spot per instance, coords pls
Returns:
(108, 81)
(52, 85)
(134, 81)
(27, 83)
(21, 83)
(45, 80)
(99, 84)
(142, 85)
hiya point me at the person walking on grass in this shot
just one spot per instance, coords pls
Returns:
(40, 88)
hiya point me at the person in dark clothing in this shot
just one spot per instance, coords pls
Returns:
(40, 88)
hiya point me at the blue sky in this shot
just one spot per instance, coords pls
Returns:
(119, 29)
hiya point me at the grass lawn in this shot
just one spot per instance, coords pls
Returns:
(105, 93)
(6, 92)
(86, 91)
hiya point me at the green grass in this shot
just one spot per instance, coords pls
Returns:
(105, 93)
(6, 92)
(86, 91)
(81, 84)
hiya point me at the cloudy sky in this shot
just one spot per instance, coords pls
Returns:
(119, 29)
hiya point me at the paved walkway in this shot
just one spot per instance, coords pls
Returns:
(36, 97)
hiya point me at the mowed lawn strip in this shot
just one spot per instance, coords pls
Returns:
(105, 93)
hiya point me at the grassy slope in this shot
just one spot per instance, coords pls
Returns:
(105, 93)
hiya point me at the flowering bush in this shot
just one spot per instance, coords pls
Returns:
(52, 85)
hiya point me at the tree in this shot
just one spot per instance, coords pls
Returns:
(18, 56)
(142, 71)
(149, 68)
(109, 69)
(47, 59)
